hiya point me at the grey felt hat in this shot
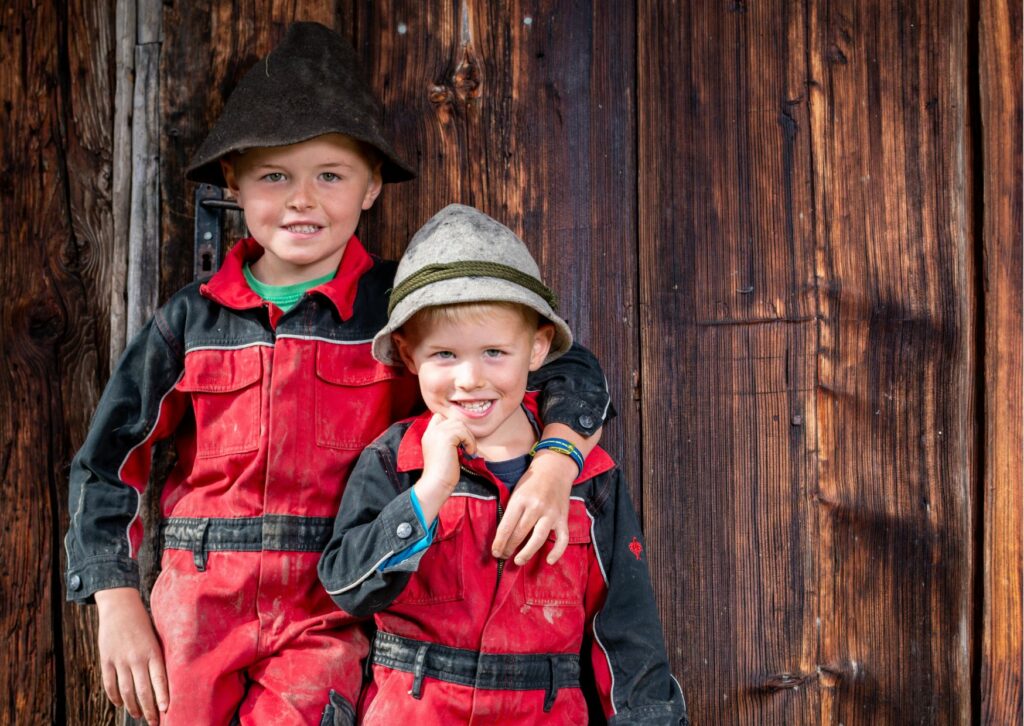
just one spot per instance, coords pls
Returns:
(461, 255)
(309, 85)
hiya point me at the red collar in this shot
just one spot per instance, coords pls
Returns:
(410, 450)
(229, 288)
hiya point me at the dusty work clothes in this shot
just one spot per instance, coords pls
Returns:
(465, 638)
(268, 412)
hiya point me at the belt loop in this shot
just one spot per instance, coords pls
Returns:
(199, 546)
(417, 671)
(551, 693)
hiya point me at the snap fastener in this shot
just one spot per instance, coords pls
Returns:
(586, 421)
(75, 583)
(404, 530)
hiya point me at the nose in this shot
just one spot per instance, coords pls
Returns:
(467, 375)
(302, 196)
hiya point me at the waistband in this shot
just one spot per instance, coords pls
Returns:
(271, 532)
(493, 671)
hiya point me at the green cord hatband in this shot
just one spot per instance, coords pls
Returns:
(430, 274)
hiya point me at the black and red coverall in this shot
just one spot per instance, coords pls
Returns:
(268, 412)
(465, 638)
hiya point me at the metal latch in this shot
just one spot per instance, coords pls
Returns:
(209, 251)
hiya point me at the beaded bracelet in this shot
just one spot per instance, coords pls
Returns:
(562, 447)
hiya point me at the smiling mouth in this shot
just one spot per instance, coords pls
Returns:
(302, 228)
(476, 408)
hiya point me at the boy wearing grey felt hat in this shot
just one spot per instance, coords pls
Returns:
(460, 635)
(263, 378)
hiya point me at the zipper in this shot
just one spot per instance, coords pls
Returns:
(501, 513)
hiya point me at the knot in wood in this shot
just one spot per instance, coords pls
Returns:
(467, 81)
(440, 95)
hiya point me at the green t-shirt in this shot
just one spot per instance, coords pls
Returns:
(284, 296)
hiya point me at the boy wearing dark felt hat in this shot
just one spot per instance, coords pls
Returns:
(263, 379)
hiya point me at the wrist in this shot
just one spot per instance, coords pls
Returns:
(559, 466)
(116, 597)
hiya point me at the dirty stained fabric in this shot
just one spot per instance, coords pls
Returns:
(268, 412)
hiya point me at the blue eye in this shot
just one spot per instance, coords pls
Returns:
(444, 354)
(274, 176)
(330, 176)
(493, 353)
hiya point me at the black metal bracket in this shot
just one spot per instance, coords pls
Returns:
(209, 251)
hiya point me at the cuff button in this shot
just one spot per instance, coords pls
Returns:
(404, 530)
(75, 583)
(586, 421)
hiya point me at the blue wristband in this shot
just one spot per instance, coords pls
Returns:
(562, 447)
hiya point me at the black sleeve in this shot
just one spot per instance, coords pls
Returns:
(376, 520)
(108, 474)
(573, 391)
(626, 627)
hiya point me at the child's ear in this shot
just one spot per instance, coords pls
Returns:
(404, 351)
(541, 345)
(373, 189)
(228, 169)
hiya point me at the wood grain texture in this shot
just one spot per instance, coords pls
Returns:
(896, 361)
(1000, 700)
(728, 337)
(54, 224)
(496, 110)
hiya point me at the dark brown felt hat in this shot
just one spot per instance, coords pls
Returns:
(310, 84)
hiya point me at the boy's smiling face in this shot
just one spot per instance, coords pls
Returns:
(474, 367)
(302, 203)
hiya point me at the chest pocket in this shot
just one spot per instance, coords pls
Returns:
(439, 577)
(353, 396)
(225, 391)
(562, 584)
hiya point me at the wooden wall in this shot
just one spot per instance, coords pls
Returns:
(790, 229)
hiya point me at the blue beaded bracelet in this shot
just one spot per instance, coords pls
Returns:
(562, 447)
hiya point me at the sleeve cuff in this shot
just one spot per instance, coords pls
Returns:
(408, 559)
(581, 417)
(100, 573)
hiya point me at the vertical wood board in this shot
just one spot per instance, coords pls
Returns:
(727, 340)
(1002, 263)
(895, 362)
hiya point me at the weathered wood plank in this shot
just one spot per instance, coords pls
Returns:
(144, 220)
(87, 287)
(728, 334)
(121, 193)
(896, 362)
(1001, 649)
(54, 220)
(496, 110)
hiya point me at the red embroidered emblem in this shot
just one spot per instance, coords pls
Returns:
(636, 548)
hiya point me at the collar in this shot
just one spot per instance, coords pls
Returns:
(410, 449)
(229, 288)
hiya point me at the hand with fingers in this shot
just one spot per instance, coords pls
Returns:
(538, 505)
(540, 501)
(441, 442)
(131, 658)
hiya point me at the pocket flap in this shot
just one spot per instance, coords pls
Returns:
(221, 371)
(350, 365)
(449, 519)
